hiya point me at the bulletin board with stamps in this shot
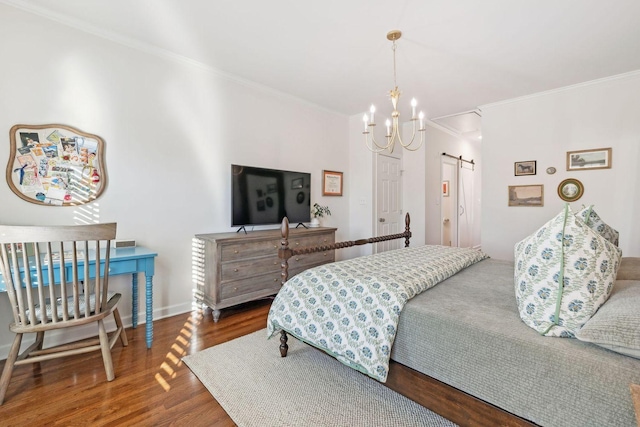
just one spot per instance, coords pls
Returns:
(56, 165)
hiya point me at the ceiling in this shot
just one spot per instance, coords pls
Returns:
(453, 57)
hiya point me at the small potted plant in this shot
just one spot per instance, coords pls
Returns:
(318, 212)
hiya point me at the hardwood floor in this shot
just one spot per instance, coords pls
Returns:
(152, 386)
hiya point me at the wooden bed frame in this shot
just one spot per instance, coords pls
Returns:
(449, 402)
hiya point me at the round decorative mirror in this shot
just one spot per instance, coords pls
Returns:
(570, 190)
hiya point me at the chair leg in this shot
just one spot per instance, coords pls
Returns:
(123, 335)
(106, 350)
(39, 340)
(8, 366)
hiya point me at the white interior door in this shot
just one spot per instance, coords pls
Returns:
(389, 200)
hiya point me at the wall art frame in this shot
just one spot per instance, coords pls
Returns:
(597, 158)
(526, 195)
(331, 183)
(570, 190)
(55, 165)
(445, 188)
(525, 168)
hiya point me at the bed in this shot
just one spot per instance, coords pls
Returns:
(462, 350)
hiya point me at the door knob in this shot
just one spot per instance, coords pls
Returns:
(381, 220)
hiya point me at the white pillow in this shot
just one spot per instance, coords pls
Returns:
(593, 220)
(563, 273)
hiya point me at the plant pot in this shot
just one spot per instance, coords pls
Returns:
(315, 222)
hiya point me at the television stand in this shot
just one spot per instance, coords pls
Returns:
(301, 224)
(242, 228)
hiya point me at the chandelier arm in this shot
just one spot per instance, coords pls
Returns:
(379, 150)
(379, 147)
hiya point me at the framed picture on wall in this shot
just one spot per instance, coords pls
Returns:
(526, 195)
(445, 188)
(599, 158)
(525, 168)
(331, 183)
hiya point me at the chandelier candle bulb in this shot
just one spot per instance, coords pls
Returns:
(365, 119)
(413, 108)
(372, 110)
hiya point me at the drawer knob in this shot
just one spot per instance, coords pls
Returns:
(235, 289)
(275, 262)
(297, 259)
(235, 251)
(324, 240)
(324, 254)
(297, 243)
(275, 280)
(275, 246)
(235, 269)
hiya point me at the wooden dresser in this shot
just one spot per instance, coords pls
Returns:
(233, 268)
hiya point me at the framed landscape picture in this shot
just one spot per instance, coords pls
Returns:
(599, 158)
(526, 195)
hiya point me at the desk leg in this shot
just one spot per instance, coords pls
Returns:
(134, 299)
(149, 308)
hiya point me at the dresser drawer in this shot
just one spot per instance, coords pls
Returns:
(305, 260)
(251, 267)
(303, 242)
(246, 286)
(243, 250)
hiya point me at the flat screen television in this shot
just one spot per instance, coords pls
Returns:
(261, 196)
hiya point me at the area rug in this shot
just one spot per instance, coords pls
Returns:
(257, 387)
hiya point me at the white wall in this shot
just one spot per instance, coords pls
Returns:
(544, 127)
(171, 130)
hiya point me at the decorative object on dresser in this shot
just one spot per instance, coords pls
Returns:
(232, 268)
(318, 212)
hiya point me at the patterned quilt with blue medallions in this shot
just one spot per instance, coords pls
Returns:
(350, 309)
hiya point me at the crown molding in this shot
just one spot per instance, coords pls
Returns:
(630, 74)
(155, 51)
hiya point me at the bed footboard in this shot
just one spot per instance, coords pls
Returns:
(285, 252)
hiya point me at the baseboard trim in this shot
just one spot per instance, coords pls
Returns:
(57, 337)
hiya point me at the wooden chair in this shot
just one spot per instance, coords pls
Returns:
(73, 300)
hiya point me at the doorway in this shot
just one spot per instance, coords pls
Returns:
(456, 207)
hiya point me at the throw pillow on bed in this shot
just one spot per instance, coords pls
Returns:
(563, 273)
(616, 325)
(593, 220)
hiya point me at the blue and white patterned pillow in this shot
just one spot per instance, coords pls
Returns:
(593, 220)
(563, 273)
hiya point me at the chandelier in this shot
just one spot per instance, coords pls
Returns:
(392, 126)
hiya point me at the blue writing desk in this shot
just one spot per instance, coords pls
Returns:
(124, 261)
